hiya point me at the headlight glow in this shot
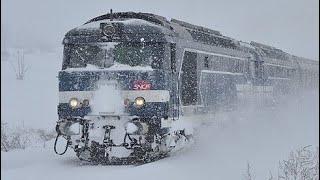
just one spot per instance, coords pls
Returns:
(74, 102)
(139, 101)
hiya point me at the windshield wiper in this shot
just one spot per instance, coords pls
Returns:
(83, 60)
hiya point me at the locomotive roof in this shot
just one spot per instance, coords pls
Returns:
(146, 23)
(155, 28)
(129, 26)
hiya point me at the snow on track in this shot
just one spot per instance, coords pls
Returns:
(225, 142)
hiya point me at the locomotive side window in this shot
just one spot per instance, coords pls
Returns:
(189, 79)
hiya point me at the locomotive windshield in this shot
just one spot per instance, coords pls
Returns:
(106, 54)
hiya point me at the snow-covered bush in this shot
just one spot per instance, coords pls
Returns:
(4, 138)
(45, 136)
(303, 164)
(21, 138)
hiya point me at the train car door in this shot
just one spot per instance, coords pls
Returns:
(189, 84)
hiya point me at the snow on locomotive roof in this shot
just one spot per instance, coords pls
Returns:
(96, 24)
(159, 20)
(246, 44)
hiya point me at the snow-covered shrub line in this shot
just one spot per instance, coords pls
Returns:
(302, 164)
(21, 138)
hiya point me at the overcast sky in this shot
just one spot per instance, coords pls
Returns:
(291, 25)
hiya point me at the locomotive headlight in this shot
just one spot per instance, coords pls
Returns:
(108, 30)
(74, 102)
(139, 101)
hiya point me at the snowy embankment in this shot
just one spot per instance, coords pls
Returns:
(225, 142)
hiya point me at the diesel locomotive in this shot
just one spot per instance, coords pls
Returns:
(126, 77)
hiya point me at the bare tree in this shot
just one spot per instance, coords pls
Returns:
(20, 68)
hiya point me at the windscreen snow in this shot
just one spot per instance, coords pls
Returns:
(106, 54)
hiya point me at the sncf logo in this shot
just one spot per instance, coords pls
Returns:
(141, 85)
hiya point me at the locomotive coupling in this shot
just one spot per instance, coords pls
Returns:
(136, 127)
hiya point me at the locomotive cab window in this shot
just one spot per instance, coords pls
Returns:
(106, 54)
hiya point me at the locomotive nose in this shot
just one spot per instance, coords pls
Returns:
(136, 92)
(107, 99)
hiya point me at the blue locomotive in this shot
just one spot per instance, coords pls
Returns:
(126, 77)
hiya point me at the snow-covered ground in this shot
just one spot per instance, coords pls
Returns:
(31, 102)
(225, 142)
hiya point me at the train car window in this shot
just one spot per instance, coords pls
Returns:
(268, 70)
(272, 71)
(237, 66)
(258, 69)
(206, 62)
(221, 63)
(232, 63)
(243, 67)
(280, 71)
(276, 71)
(216, 63)
(227, 64)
